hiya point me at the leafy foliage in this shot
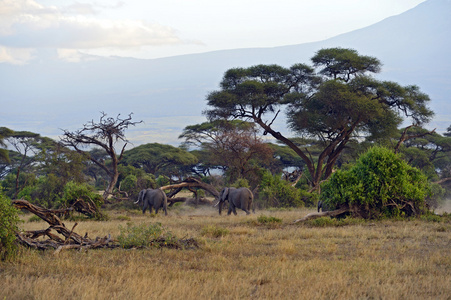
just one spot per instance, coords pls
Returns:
(330, 102)
(379, 184)
(4, 132)
(159, 159)
(232, 146)
(276, 192)
(262, 219)
(8, 226)
(84, 199)
(144, 235)
(74, 191)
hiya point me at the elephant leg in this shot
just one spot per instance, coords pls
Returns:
(234, 210)
(247, 211)
(156, 210)
(150, 208)
(230, 210)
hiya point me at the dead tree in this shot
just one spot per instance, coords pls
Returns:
(71, 240)
(103, 134)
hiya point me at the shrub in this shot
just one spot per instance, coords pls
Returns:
(143, 235)
(46, 191)
(74, 191)
(80, 191)
(8, 226)
(129, 183)
(241, 182)
(162, 181)
(276, 192)
(262, 219)
(380, 184)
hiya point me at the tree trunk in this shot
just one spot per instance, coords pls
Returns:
(332, 213)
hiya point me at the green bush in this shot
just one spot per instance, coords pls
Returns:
(45, 191)
(143, 235)
(241, 182)
(380, 184)
(8, 226)
(129, 183)
(162, 181)
(73, 191)
(276, 192)
(262, 219)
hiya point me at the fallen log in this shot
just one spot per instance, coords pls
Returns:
(332, 213)
(190, 183)
(72, 239)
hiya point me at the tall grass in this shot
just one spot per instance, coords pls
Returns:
(355, 260)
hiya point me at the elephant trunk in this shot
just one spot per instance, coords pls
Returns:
(140, 196)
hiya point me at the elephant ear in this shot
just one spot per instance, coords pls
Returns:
(224, 194)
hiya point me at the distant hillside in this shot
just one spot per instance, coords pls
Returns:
(169, 93)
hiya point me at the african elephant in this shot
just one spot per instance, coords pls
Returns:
(238, 198)
(153, 199)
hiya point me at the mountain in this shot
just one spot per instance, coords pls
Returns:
(48, 94)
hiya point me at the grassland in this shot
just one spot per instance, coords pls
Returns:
(242, 258)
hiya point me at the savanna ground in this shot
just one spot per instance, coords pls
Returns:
(242, 258)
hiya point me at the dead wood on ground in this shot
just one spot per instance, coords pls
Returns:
(72, 240)
(332, 213)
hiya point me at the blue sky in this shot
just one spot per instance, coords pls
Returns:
(161, 28)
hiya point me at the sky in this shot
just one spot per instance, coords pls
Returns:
(76, 30)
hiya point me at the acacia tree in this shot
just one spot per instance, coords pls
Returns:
(332, 102)
(26, 146)
(4, 132)
(234, 146)
(104, 134)
(159, 159)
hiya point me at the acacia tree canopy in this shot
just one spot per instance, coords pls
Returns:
(158, 158)
(232, 145)
(332, 101)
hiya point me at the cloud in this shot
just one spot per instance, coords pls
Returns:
(72, 55)
(15, 56)
(26, 24)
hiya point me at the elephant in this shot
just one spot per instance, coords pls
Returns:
(153, 198)
(238, 198)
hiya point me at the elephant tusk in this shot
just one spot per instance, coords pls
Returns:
(136, 202)
(217, 204)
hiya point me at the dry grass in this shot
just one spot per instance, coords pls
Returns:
(367, 260)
